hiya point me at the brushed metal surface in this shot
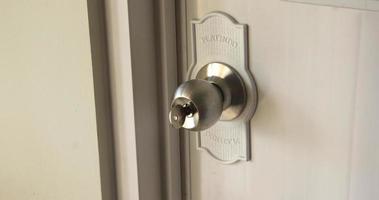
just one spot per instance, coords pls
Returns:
(197, 105)
(217, 93)
(231, 85)
(218, 38)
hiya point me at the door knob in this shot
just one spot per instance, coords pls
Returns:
(217, 93)
(197, 105)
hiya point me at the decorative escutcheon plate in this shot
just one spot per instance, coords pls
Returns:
(217, 37)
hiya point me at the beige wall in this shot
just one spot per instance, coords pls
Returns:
(48, 138)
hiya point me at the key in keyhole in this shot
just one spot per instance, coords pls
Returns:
(179, 113)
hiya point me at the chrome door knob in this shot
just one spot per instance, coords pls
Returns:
(217, 93)
(197, 105)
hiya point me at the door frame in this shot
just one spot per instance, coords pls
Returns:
(102, 94)
(142, 49)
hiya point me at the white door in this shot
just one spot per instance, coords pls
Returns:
(49, 129)
(315, 133)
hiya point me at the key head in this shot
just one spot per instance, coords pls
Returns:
(177, 116)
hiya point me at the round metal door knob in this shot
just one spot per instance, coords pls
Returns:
(197, 105)
(217, 93)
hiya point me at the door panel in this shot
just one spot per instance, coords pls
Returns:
(365, 143)
(48, 136)
(314, 133)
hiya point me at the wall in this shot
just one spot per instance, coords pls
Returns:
(48, 137)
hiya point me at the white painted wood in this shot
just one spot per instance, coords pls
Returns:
(122, 100)
(167, 83)
(314, 136)
(364, 182)
(142, 48)
(101, 82)
(372, 5)
(48, 129)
